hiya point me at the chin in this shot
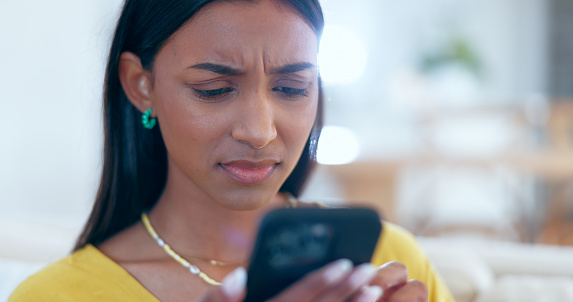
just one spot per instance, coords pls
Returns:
(248, 202)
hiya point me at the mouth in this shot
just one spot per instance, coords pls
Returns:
(249, 172)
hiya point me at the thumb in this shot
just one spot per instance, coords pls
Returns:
(232, 289)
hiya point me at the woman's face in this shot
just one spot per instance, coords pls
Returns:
(235, 91)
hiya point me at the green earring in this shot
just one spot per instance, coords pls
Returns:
(148, 121)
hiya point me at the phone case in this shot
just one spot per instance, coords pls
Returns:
(293, 242)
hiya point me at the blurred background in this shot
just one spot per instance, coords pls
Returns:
(453, 118)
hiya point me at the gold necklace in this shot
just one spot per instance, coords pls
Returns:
(192, 268)
(290, 202)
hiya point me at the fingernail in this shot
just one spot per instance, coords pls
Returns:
(234, 283)
(370, 293)
(362, 274)
(337, 270)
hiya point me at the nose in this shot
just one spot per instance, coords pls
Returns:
(255, 122)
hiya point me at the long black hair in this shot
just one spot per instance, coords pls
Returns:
(135, 159)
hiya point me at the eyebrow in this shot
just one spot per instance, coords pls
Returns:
(292, 68)
(226, 70)
(216, 68)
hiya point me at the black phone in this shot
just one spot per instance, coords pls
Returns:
(295, 241)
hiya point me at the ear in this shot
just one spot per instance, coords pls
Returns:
(136, 81)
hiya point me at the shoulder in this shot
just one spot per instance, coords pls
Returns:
(62, 280)
(86, 275)
(397, 244)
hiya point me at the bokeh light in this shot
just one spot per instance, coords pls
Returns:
(342, 57)
(337, 145)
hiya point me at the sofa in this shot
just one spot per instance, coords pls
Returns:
(485, 270)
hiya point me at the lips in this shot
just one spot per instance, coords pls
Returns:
(249, 172)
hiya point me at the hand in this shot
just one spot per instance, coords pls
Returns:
(336, 282)
(392, 277)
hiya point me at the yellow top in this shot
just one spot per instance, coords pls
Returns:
(397, 244)
(88, 275)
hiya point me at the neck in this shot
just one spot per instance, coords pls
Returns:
(198, 226)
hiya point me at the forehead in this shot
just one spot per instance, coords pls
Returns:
(241, 33)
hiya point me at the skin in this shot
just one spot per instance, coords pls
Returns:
(235, 89)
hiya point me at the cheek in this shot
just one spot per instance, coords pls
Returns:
(190, 132)
(297, 126)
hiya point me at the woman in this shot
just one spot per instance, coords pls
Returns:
(212, 113)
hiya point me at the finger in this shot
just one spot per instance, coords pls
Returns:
(413, 291)
(390, 276)
(345, 290)
(232, 289)
(312, 284)
(368, 294)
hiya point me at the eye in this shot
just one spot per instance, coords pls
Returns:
(213, 94)
(290, 93)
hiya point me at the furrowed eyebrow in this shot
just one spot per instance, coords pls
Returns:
(226, 70)
(292, 68)
(216, 68)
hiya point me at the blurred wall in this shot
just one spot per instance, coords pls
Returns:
(53, 55)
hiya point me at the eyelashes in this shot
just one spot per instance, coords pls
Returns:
(212, 95)
(291, 93)
(218, 94)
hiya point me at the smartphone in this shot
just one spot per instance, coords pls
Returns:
(293, 242)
